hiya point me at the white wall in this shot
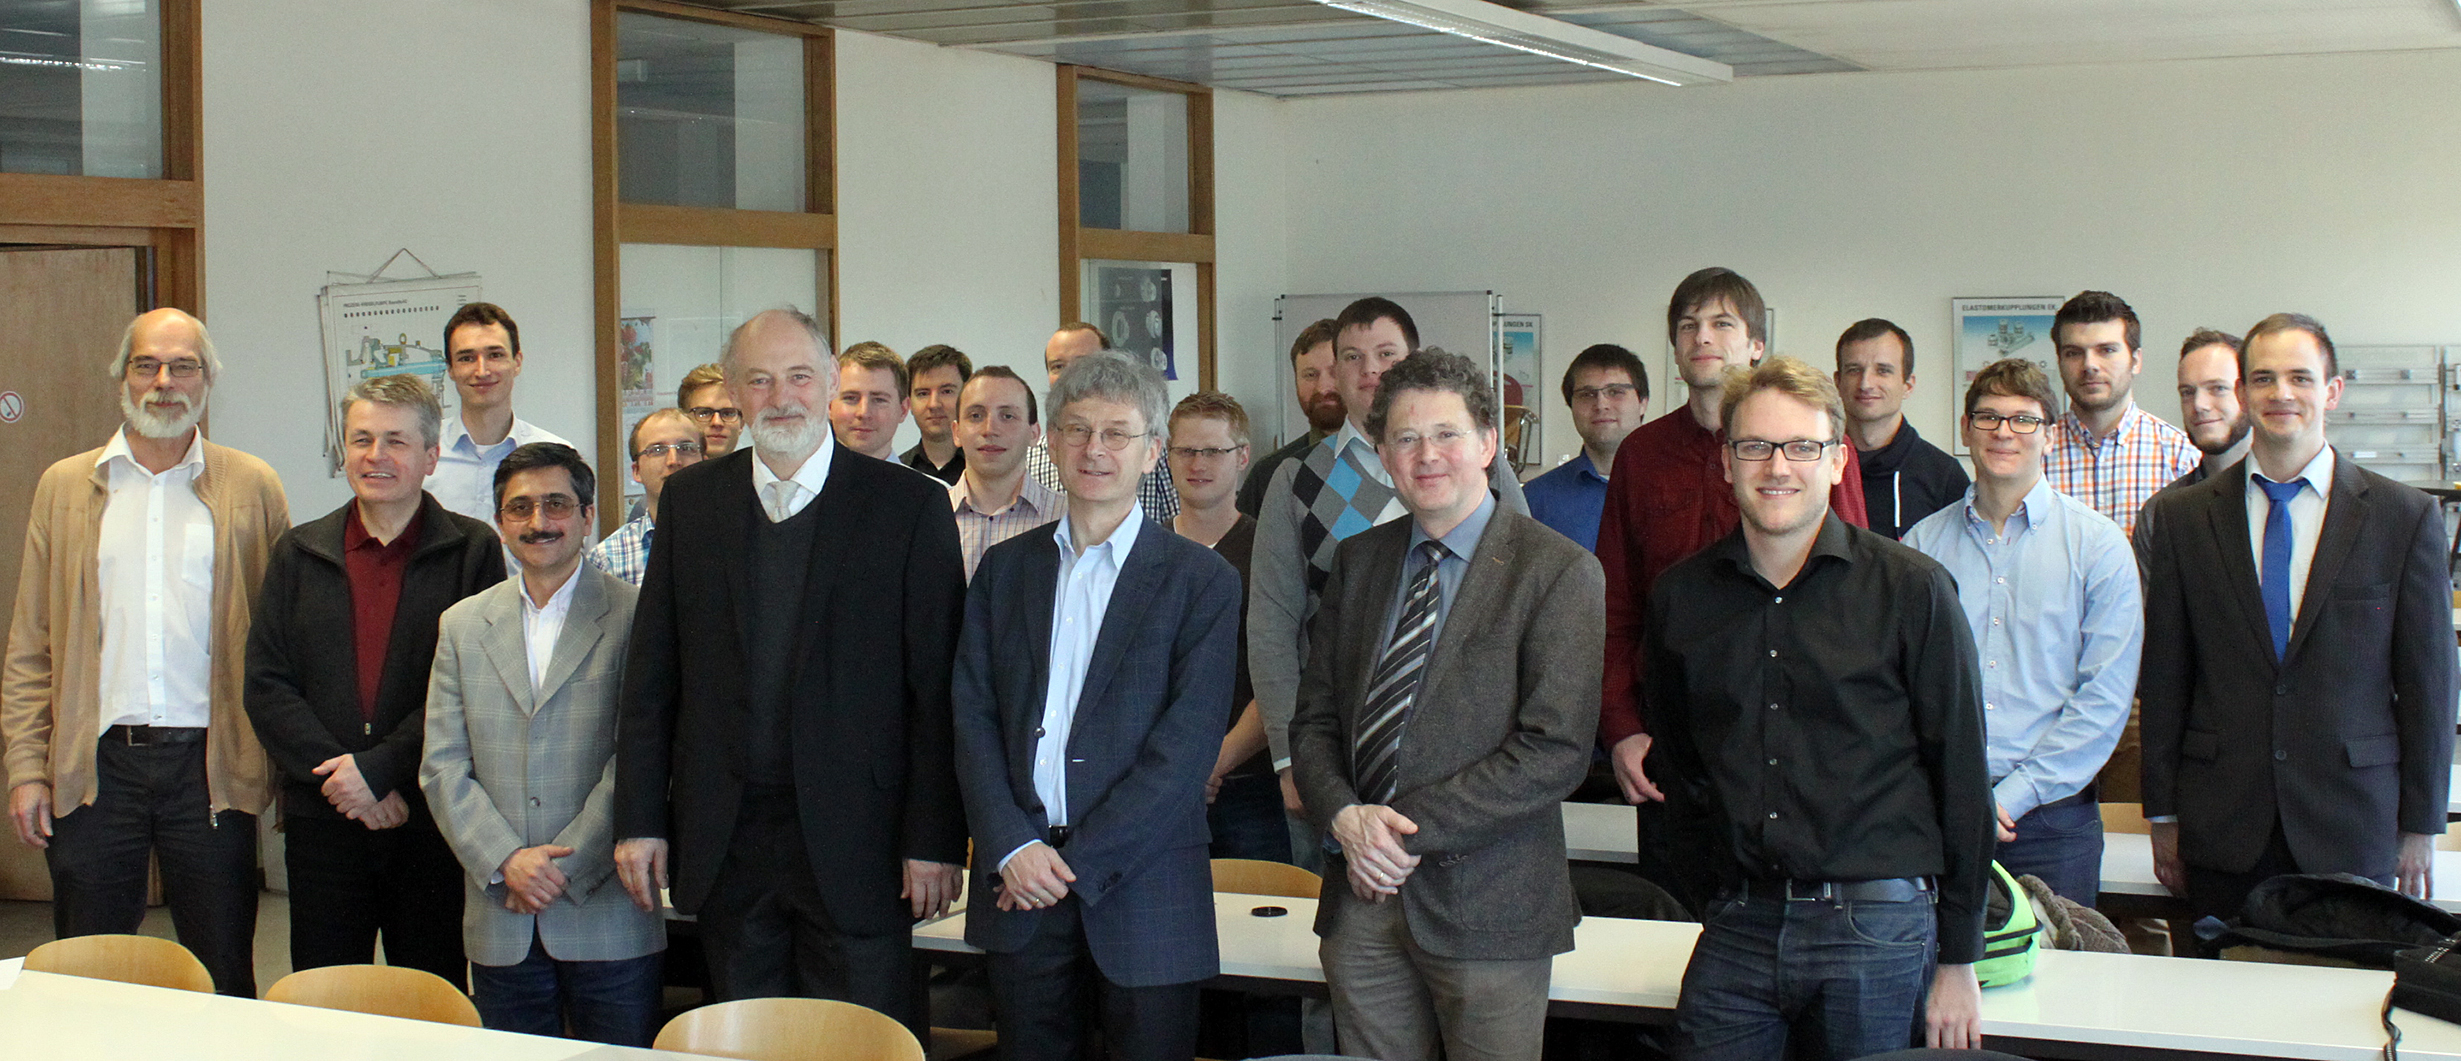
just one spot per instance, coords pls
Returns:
(336, 133)
(2206, 193)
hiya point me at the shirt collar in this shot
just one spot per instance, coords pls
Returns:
(194, 459)
(811, 476)
(2318, 472)
(1588, 467)
(1348, 434)
(1116, 546)
(1462, 540)
(1833, 540)
(557, 602)
(355, 535)
(2074, 426)
(2030, 510)
(1031, 493)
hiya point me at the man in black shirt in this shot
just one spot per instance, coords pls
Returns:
(1904, 477)
(1814, 688)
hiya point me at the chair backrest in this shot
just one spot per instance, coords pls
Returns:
(2124, 818)
(148, 960)
(1250, 876)
(790, 1029)
(385, 990)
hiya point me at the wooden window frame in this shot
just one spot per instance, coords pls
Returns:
(164, 215)
(1079, 243)
(616, 222)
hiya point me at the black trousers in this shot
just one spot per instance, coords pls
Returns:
(152, 800)
(1046, 995)
(351, 884)
(768, 934)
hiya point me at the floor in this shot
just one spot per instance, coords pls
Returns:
(25, 926)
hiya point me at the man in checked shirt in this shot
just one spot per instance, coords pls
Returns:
(2106, 451)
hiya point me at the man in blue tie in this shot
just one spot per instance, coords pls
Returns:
(2298, 696)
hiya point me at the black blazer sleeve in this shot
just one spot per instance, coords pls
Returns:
(935, 819)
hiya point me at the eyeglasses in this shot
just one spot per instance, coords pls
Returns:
(655, 450)
(148, 368)
(1077, 435)
(554, 506)
(705, 414)
(1800, 451)
(1409, 440)
(2021, 423)
(1189, 453)
(1612, 391)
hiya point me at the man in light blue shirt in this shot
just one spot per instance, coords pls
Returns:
(2051, 588)
(483, 356)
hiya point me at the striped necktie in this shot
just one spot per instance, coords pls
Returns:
(1376, 760)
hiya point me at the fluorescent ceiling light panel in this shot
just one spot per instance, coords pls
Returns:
(1496, 24)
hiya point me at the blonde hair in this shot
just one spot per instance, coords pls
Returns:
(873, 355)
(1789, 377)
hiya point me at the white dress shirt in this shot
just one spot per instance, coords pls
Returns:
(543, 624)
(782, 498)
(1077, 608)
(155, 566)
(465, 478)
(2306, 520)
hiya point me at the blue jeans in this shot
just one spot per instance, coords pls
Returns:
(614, 1002)
(1848, 977)
(2062, 844)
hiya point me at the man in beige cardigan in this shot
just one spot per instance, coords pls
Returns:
(120, 703)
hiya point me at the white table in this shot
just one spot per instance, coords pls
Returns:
(72, 1017)
(2127, 869)
(2076, 1005)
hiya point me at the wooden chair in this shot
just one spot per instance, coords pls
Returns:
(790, 1029)
(384, 990)
(148, 960)
(2125, 818)
(1249, 876)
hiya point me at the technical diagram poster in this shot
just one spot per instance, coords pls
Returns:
(1988, 329)
(387, 329)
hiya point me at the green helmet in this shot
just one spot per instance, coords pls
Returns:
(2010, 933)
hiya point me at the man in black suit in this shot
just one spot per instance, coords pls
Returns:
(785, 735)
(1092, 681)
(2298, 706)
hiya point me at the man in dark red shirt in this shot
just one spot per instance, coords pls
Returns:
(342, 639)
(1667, 499)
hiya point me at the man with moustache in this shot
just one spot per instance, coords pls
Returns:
(2051, 592)
(1607, 390)
(1073, 340)
(662, 442)
(935, 376)
(2298, 711)
(1904, 477)
(1813, 687)
(1667, 499)
(123, 719)
(2107, 451)
(869, 401)
(1311, 375)
(1447, 710)
(703, 396)
(993, 498)
(482, 348)
(784, 742)
(338, 657)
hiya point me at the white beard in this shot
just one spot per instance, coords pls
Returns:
(786, 441)
(149, 424)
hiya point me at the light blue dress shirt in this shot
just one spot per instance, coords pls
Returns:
(2059, 618)
(1084, 595)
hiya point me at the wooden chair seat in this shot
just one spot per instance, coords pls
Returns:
(790, 1029)
(1249, 876)
(148, 960)
(384, 990)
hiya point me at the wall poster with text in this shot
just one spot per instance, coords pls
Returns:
(1988, 329)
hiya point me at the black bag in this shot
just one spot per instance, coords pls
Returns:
(2425, 980)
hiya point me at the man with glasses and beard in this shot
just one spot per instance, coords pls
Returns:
(123, 717)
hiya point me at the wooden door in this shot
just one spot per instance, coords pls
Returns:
(62, 312)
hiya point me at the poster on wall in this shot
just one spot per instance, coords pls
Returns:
(387, 328)
(636, 376)
(1133, 307)
(1988, 329)
(1523, 395)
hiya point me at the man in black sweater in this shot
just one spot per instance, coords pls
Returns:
(1904, 477)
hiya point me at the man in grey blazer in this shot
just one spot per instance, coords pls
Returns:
(1446, 709)
(519, 770)
(2298, 696)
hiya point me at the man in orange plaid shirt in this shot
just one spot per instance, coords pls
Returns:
(2106, 451)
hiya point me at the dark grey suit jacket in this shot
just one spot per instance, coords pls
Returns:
(2346, 741)
(1499, 735)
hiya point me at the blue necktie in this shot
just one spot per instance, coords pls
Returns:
(2277, 560)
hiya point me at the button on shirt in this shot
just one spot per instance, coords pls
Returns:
(543, 624)
(782, 498)
(375, 570)
(465, 479)
(154, 560)
(2306, 519)
(1077, 608)
(2058, 616)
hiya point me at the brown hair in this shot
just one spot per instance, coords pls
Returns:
(2011, 377)
(876, 355)
(2094, 307)
(1714, 284)
(482, 313)
(1217, 406)
(1786, 376)
(936, 356)
(1323, 331)
(2293, 322)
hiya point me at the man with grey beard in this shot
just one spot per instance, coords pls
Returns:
(121, 707)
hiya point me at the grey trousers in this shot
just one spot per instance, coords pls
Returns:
(1396, 1002)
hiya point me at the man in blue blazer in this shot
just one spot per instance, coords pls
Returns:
(1092, 678)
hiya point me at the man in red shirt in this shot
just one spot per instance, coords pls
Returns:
(1666, 499)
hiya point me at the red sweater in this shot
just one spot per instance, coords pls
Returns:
(1666, 499)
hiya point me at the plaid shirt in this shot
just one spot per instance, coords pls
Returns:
(1160, 498)
(625, 553)
(978, 530)
(2116, 473)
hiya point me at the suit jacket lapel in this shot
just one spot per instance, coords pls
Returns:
(581, 632)
(2227, 519)
(1477, 597)
(1040, 593)
(1371, 597)
(505, 646)
(737, 522)
(1132, 593)
(2345, 512)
